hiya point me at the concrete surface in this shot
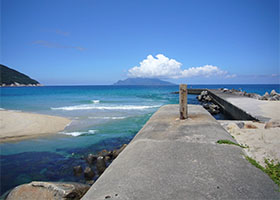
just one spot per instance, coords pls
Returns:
(257, 109)
(180, 159)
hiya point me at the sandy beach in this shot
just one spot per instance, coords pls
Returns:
(262, 143)
(16, 125)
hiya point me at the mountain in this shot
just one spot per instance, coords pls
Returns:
(11, 77)
(142, 81)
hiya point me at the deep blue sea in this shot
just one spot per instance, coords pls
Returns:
(104, 117)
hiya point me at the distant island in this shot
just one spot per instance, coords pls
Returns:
(12, 78)
(142, 81)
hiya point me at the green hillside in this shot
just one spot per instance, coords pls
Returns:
(10, 76)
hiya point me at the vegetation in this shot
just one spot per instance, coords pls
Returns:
(230, 142)
(10, 76)
(271, 169)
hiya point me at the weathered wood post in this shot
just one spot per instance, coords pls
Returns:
(183, 101)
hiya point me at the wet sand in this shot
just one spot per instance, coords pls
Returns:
(16, 125)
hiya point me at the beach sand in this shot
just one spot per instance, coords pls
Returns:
(16, 125)
(263, 143)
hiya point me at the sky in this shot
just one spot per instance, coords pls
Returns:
(98, 42)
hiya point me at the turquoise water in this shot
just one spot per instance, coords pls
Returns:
(104, 117)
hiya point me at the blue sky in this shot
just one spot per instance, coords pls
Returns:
(69, 42)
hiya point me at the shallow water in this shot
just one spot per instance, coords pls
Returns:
(104, 117)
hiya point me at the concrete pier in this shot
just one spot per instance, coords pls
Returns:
(245, 108)
(179, 159)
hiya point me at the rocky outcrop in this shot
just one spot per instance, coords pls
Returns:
(273, 96)
(48, 190)
(78, 170)
(207, 103)
(97, 164)
(88, 173)
(100, 164)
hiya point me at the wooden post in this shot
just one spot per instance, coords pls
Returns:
(183, 101)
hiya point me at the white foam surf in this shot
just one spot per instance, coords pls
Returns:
(107, 117)
(94, 107)
(95, 101)
(75, 134)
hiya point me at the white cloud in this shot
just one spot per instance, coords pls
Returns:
(162, 67)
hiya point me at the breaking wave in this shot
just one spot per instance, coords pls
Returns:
(75, 134)
(95, 101)
(107, 117)
(94, 107)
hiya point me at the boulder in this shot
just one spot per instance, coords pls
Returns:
(272, 99)
(266, 95)
(263, 98)
(118, 151)
(240, 124)
(214, 106)
(208, 98)
(104, 153)
(204, 93)
(205, 105)
(91, 158)
(256, 96)
(78, 170)
(48, 190)
(199, 97)
(273, 92)
(88, 173)
(100, 164)
(107, 158)
(250, 126)
(272, 124)
(277, 97)
(90, 182)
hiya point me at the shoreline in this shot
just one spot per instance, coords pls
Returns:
(17, 125)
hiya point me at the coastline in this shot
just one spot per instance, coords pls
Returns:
(17, 125)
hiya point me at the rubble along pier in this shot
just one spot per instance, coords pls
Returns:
(171, 158)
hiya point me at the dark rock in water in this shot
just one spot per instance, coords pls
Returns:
(107, 158)
(48, 190)
(88, 173)
(117, 152)
(100, 164)
(78, 170)
(91, 182)
(105, 153)
(174, 92)
(91, 158)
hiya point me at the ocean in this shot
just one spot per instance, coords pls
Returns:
(104, 117)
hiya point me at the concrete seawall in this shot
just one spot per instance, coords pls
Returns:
(245, 108)
(180, 159)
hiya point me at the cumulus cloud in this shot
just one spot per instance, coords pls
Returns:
(162, 67)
